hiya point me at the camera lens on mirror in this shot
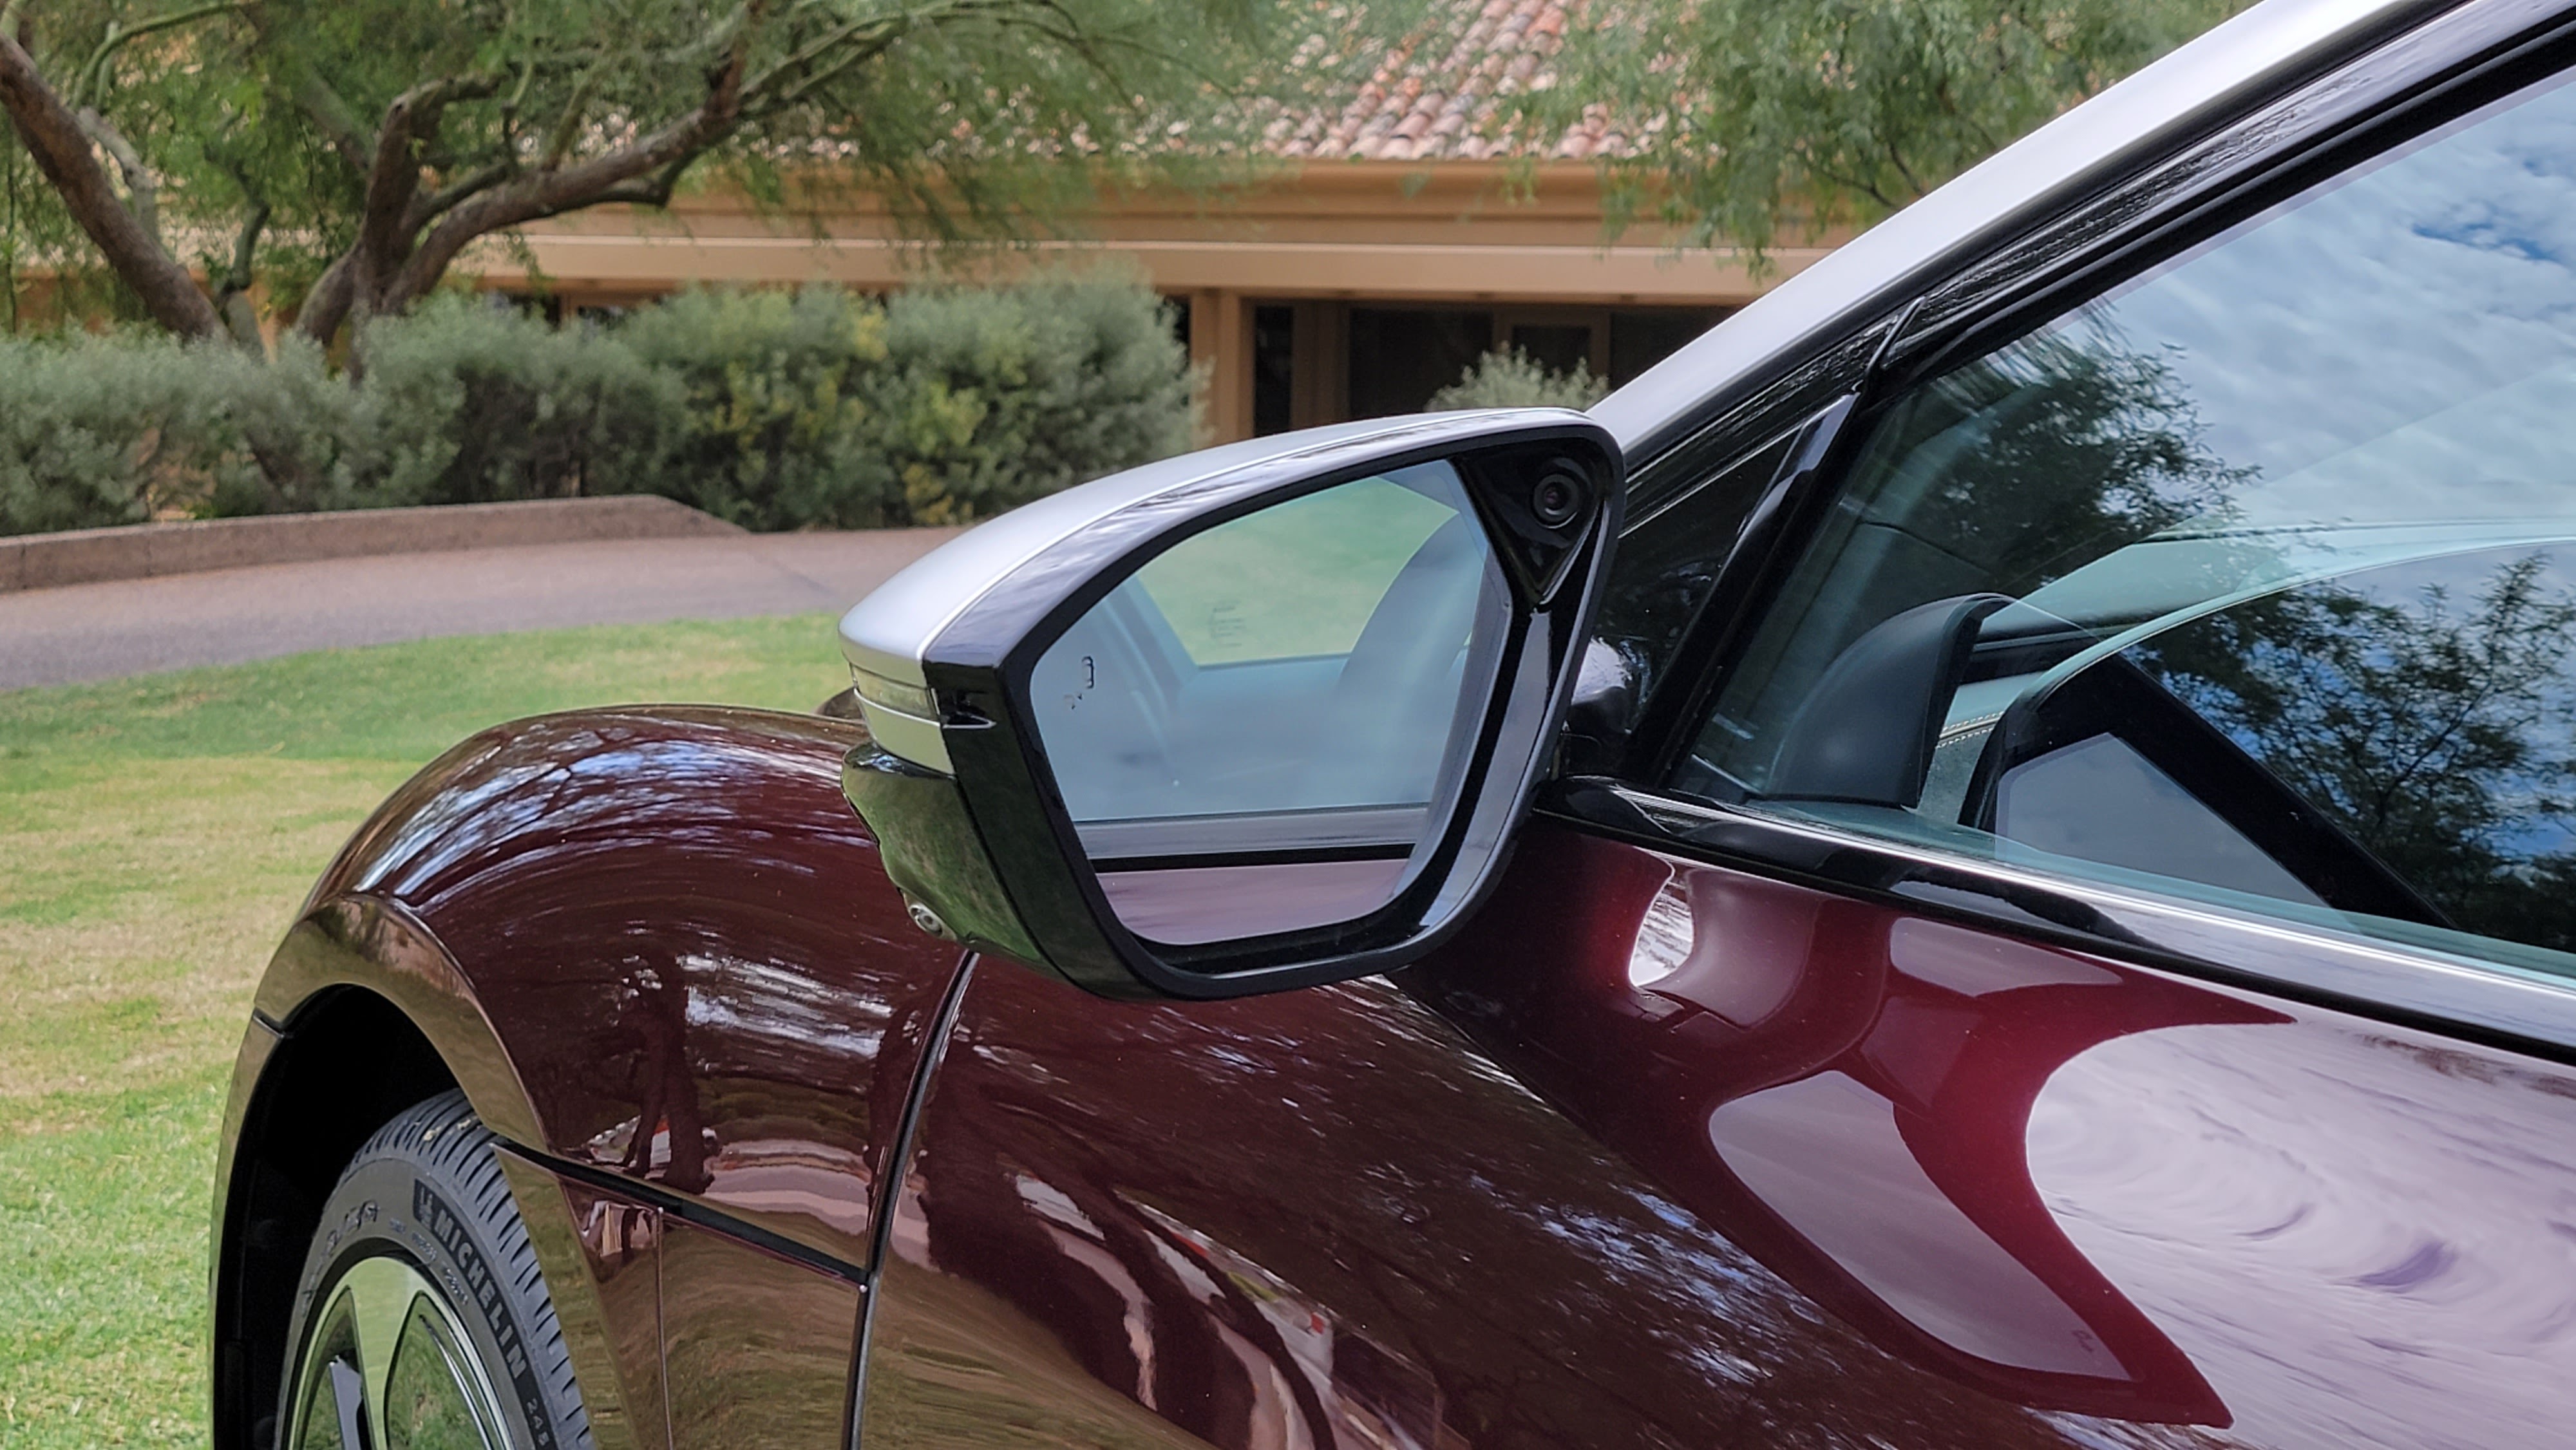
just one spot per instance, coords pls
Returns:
(1557, 499)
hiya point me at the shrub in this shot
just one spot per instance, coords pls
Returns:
(116, 429)
(771, 409)
(466, 402)
(1510, 378)
(942, 405)
(999, 396)
(308, 433)
(775, 393)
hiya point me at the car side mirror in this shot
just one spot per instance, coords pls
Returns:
(1249, 719)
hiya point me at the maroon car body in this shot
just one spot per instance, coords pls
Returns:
(1698, 1134)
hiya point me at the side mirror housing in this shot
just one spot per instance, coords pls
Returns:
(1249, 719)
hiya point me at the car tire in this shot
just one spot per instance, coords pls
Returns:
(420, 1317)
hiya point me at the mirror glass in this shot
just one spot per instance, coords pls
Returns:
(1259, 729)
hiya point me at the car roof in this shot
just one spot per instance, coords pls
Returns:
(2173, 95)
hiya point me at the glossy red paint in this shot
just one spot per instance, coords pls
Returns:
(602, 1257)
(1798, 1170)
(1324, 1218)
(1845, 1090)
(2298, 1226)
(376, 945)
(679, 936)
(756, 1347)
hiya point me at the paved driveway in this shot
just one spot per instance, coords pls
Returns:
(96, 631)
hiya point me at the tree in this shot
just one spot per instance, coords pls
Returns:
(2437, 736)
(353, 149)
(1737, 119)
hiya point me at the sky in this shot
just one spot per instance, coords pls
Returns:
(2399, 345)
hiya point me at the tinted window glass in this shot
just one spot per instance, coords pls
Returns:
(2253, 581)
(1668, 562)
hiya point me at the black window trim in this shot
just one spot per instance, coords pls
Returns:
(2367, 976)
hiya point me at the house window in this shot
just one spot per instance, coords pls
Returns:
(1401, 356)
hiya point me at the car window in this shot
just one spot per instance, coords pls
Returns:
(2254, 581)
(1668, 560)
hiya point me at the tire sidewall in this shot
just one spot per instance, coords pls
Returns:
(413, 1206)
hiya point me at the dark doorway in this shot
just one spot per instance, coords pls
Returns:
(1560, 347)
(1643, 337)
(1401, 356)
(1274, 369)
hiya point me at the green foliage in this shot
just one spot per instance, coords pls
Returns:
(774, 410)
(1511, 378)
(939, 406)
(2433, 730)
(107, 430)
(1001, 396)
(1754, 117)
(776, 392)
(466, 402)
(261, 122)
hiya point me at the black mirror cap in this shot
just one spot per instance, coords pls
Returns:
(987, 848)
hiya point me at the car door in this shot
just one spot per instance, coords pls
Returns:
(2109, 924)
(2073, 950)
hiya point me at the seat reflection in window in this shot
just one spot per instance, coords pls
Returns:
(1255, 731)
(2398, 742)
(2251, 580)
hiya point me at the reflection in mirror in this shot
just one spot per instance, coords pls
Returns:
(1259, 729)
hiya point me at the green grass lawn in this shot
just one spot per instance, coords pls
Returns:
(155, 837)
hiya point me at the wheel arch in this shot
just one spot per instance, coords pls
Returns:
(361, 1015)
(436, 943)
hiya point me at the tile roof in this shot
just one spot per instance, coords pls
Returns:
(1430, 102)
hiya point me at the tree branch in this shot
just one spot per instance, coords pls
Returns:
(653, 191)
(393, 178)
(568, 125)
(232, 292)
(91, 77)
(1896, 158)
(551, 193)
(427, 209)
(332, 117)
(232, 286)
(61, 147)
(327, 305)
(142, 188)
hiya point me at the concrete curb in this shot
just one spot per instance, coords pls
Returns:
(88, 556)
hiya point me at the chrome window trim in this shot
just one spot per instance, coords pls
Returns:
(2365, 975)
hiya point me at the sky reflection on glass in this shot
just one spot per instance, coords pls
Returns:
(2408, 324)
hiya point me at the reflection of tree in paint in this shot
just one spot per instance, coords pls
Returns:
(2435, 730)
